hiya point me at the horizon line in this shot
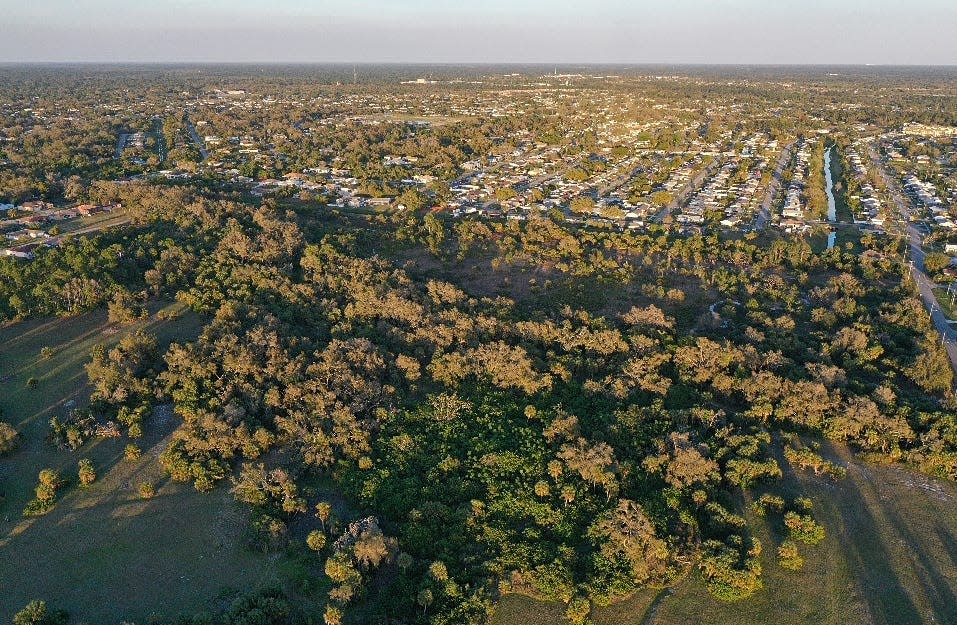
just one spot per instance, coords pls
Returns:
(393, 63)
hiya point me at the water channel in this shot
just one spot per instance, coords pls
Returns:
(829, 189)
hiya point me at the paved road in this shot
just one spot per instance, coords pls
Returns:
(924, 284)
(764, 213)
(120, 144)
(195, 136)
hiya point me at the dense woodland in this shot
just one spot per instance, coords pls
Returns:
(535, 407)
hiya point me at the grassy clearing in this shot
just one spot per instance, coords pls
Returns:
(520, 609)
(890, 558)
(103, 553)
(93, 223)
(944, 301)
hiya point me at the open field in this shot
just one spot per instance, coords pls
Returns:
(890, 558)
(115, 555)
(94, 223)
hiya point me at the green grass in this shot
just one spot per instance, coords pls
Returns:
(943, 300)
(94, 223)
(519, 609)
(846, 233)
(890, 558)
(103, 553)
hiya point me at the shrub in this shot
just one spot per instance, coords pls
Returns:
(132, 452)
(74, 431)
(803, 527)
(789, 557)
(332, 615)
(49, 483)
(147, 490)
(37, 613)
(86, 472)
(9, 439)
(731, 570)
(578, 610)
(50, 478)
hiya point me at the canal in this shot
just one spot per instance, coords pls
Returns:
(829, 189)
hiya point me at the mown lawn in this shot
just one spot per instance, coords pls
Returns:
(104, 554)
(890, 558)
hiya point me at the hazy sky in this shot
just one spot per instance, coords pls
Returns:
(633, 31)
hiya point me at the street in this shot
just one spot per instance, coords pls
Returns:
(764, 214)
(924, 284)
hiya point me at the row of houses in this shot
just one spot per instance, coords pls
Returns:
(736, 200)
(925, 194)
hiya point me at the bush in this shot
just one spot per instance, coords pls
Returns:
(73, 432)
(9, 439)
(37, 613)
(49, 483)
(803, 527)
(132, 452)
(147, 490)
(732, 571)
(86, 472)
(789, 557)
(578, 610)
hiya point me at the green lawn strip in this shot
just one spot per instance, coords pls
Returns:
(944, 301)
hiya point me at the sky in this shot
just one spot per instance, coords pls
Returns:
(881, 32)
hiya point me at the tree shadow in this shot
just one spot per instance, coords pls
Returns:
(935, 585)
(888, 600)
(870, 561)
(948, 541)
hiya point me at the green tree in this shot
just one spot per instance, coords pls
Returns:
(37, 613)
(582, 204)
(9, 438)
(935, 262)
(316, 540)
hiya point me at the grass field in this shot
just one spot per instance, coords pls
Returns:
(944, 301)
(890, 558)
(91, 223)
(103, 553)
